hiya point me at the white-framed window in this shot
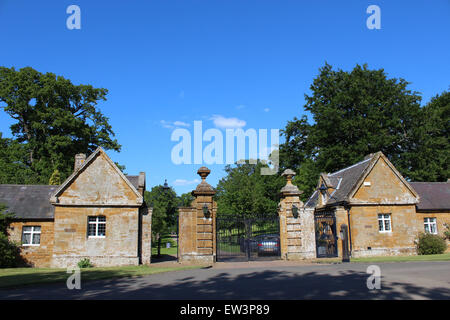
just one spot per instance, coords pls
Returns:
(96, 226)
(384, 222)
(430, 225)
(31, 235)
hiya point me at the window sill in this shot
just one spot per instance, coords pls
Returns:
(96, 237)
(30, 245)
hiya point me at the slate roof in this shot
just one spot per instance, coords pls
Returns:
(33, 201)
(343, 182)
(433, 195)
(134, 180)
(312, 201)
(28, 201)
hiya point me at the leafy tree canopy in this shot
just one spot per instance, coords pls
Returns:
(361, 112)
(165, 209)
(186, 199)
(55, 120)
(245, 192)
(55, 179)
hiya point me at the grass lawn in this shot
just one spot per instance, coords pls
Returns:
(16, 277)
(172, 251)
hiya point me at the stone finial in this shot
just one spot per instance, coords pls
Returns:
(289, 188)
(203, 188)
(289, 174)
(203, 172)
(80, 158)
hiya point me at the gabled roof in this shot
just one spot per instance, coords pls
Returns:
(28, 201)
(33, 201)
(342, 182)
(87, 162)
(346, 182)
(433, 195)
(372, 163)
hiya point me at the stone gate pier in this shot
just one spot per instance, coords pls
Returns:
(297, 232)
(197, 224)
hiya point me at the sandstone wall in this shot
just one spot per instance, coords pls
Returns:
(118, 247)
(36, 255)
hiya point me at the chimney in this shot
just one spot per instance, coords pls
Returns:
(141, 183)
(79, 160)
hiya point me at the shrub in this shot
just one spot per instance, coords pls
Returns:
(5, 218)
(9, 252)
(85, 263)
(431, 244)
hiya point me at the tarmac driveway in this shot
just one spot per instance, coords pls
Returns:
(277, 280)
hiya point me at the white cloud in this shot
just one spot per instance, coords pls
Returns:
(266, 109)
(227, 123)
(181, 124)
(184, 182)
(166, 124)
(173, 124)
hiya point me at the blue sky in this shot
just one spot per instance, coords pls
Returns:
(169, 63)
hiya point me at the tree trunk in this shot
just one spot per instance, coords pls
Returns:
(28, 134)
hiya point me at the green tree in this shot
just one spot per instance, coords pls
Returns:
(55, 179)
(9, 251)
(432, 149)
(360, 112)
(186, 199)
(13, 167)
(5, 218)
(55, 120)
(165, 209)
(245, 192)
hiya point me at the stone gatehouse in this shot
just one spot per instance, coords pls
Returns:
(100, 214)
(384, 212)
(97, 213)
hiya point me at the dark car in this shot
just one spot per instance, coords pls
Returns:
(265, 244)
(252, 243)
(268, 244)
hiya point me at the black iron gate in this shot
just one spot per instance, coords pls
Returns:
(326, 239)
(244, 239)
